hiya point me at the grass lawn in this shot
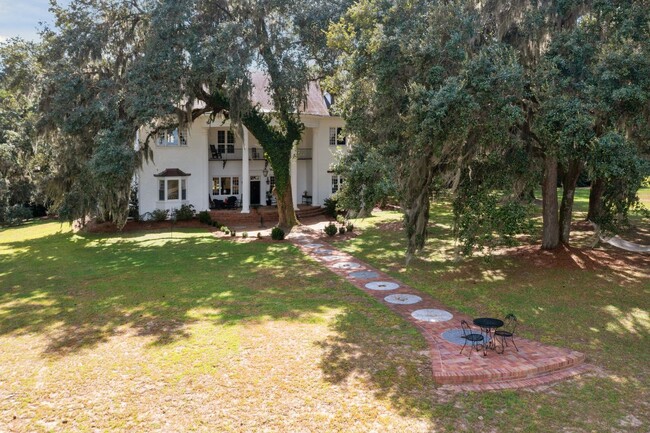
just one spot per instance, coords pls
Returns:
(597, 302)
(149, 332)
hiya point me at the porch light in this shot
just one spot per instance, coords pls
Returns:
(265, 172)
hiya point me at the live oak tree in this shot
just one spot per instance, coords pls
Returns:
(417, 87)
(22, 157)
(125, 65)
(420, 86)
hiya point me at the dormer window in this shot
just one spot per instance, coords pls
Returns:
(172, 137)
(337, 138)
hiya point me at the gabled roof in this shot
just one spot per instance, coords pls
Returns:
(172, 172)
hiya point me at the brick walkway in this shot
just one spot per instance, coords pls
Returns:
(534, 364)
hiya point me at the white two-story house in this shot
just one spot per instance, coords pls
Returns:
(205, 162)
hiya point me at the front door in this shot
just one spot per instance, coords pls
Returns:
(255, 192)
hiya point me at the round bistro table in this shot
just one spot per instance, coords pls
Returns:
(488, 325)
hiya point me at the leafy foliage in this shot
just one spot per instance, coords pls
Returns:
(204, 217)
(330, 229)
(160, 215)
(277, 234)
(184, 213)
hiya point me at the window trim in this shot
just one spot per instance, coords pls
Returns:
(235, 185)
(225, 141)
(178, 138)
(182, 189)
(336, 137)
(339, 182)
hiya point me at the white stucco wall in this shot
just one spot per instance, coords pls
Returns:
(194, 159)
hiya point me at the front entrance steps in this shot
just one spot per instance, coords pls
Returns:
(533, 365)
(263, 216)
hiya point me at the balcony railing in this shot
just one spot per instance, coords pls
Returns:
(215, 155)
(254, 153)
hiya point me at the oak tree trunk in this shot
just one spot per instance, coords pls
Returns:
(550, 232)
(596, 200)
(569, 181)
(286, 213)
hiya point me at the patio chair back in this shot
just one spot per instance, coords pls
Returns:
(510, 323)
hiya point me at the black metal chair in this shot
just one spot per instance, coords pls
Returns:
(507, 331)
(231, 202)
(473, 338)
(213, 152)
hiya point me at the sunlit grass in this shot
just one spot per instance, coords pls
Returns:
(186, 332)
(573, 301)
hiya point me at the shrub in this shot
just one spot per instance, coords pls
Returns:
(244, 235)
(342, 230)
(350, 227)
(184, 213)
(330, 229)
(223, 229)
(159, 214)
(205, 218)
(16, 214)
(340, 219)
(233, 233)
(226, 231)
(277, 234)
(259, 235)
(330, 207)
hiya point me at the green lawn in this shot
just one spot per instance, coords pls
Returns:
(186, 332)
(597, 302)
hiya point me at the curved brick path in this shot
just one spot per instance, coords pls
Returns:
(534, 364)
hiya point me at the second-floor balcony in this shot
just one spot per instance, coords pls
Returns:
(228, 153)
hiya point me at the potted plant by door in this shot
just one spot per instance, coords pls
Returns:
(269, 198)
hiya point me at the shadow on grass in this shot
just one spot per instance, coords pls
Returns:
(78, 291)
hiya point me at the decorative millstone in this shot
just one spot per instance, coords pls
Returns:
(364, 275)
(455, 336)
(324, 251)
(402, 298)
(382, 285)
(313, 245)
(346, 265)
(330, 258)
(432, 315)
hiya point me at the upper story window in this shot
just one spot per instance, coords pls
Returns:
(172, 137)
(225, 142)
(337, 138)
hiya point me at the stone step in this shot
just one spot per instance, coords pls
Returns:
(510, 372)
(528, 382)
(269, 216)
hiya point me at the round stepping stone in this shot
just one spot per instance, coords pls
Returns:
(432, 315)
(382, 285)
(346, 265)
(402, 298)
(364, 275)
(455, 336)
(313, 245)
(330, 258)
(324, 251)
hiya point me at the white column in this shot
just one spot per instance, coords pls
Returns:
(245, 183)
(294, 177)
(206, 190)
(315, 146)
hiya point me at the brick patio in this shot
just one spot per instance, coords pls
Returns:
(534, 364)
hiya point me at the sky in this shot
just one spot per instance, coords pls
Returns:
(22, 17)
